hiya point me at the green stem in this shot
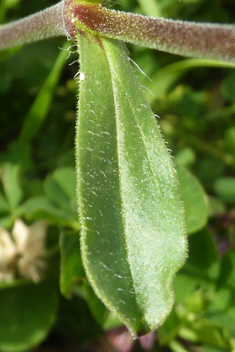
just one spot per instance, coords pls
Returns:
(44, 24)
(199, 40)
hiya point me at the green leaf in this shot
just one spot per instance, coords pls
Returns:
(4, 207)
(216, 206)
(75, 321)
(60, 187)
(39, 110)
(225, 188)
(169, 330)
(11, 184)
(194, 200)
(71, 263)
(6, 222)
(207, 348)
(133, 231)
(41, 208)
(167, 76)
(227, 270)
(27, 314)
(105, 318)
(150, 7)
(230, 139)
(184, 284)
(201, 269)
(185, 157)
(227, 87)
(209, 334)
(18, 153)
(222, 310)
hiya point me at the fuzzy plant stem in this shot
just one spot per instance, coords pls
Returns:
(199, 40)
(44, 24)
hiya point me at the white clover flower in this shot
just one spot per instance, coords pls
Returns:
(21, 251)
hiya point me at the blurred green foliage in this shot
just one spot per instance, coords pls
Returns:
(196, 103)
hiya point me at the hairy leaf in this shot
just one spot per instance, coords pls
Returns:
(133, 231)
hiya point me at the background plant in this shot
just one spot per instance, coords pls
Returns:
(191, 113)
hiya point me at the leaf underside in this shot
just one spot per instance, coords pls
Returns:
(133, 231)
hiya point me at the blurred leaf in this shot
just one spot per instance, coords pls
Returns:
(71, 263)
(26, 64)
(105, 318)
(189, 103)
(222, 310)
(11, 3)
(228, 87)
(227, 270)
(60, 188)
(39, 109)
(27, 314)
(202, 269)
(209, 334)
(18, 153)
(75, 320)
(202, 241)
(6, 54)
(216, 206)
(6, 222)
(67, 159)
(162, 81)
(4, 207)
(207, 348)
(185, 157)
(204, 167)
(41, 208)
(150, 8)
(230, 139)
(225, 188)
(194, 200)
(184, 284)
(11, 183)
(169, 330)
(5, 79)
(33, 188)
(131, 216)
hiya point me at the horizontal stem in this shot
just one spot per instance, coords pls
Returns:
(44, 24)
(198, 40)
